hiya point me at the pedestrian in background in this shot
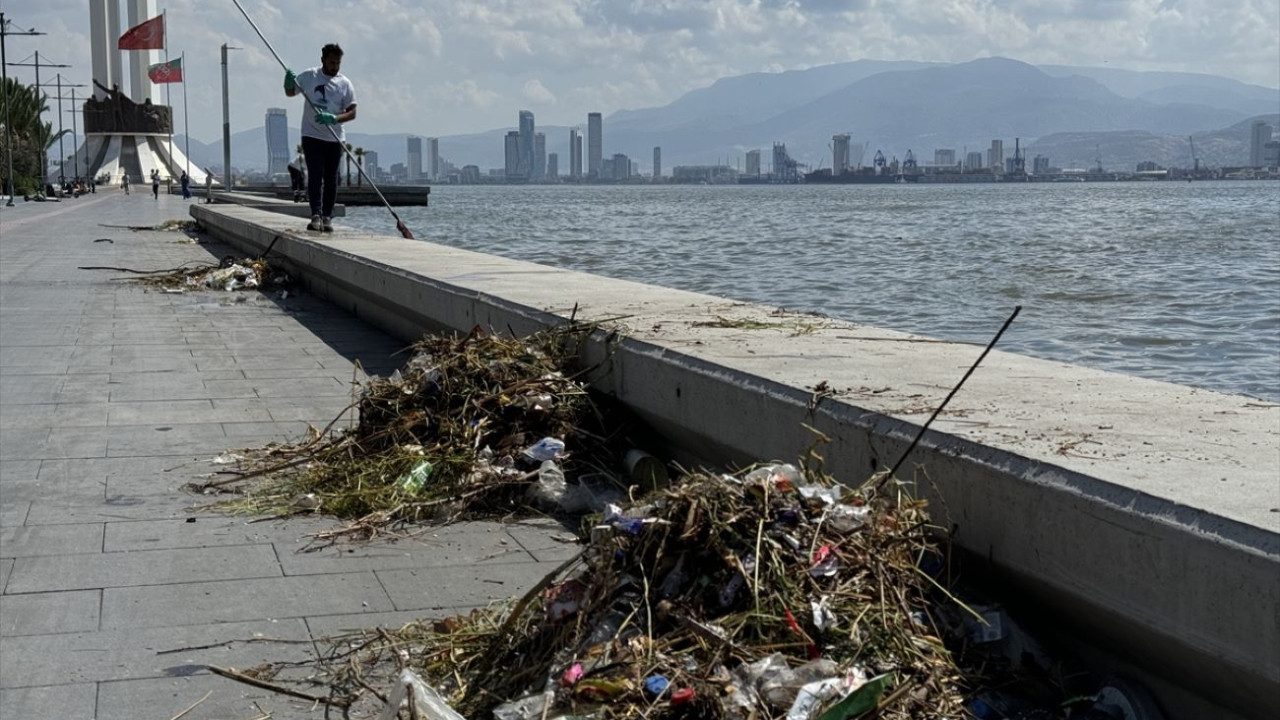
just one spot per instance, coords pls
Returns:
(185, 181)
(155, 183)
(124, 183)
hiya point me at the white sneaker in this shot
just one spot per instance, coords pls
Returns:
(327, 224)
(316, 225)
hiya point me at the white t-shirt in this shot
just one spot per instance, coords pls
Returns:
(332, 94)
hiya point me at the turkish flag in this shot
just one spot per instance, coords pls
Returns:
(147, 36)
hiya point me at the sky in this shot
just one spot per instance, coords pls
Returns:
(445, 67)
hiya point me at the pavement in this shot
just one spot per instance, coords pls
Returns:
(116, 590)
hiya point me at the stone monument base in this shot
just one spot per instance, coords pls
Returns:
(108, 157)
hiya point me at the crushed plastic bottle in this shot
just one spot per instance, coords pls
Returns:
(531, 707)
(548, 448)
(413, 481)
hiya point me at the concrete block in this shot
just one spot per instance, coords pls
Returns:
(76, 701)
(50, 613)
(37, 540)
(150, 567)
(228, 601)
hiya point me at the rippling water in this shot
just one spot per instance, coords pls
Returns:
(1171, 281)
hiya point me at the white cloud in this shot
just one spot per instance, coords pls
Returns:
(442, 67)
(535, 93)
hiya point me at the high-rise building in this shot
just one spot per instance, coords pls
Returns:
(973, 161)
(995, 156)
(433, 158)
(753, 162)
(511, 153)
(1259, 136)
(553, 166)
(785, 169)
(595, 144)
(839, 153)
(526, 143)
(539, 156)
(278, 150)
(657, 163)
(371, 163)
(621, 166)
(415, 158)
(575, 154)
(1040, 165)
(944, 158)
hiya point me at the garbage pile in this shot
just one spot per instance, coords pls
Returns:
(230, 274)
(480, 426)
(773, 593)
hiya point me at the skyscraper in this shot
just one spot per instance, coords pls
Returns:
(839, 153)
(433, 158)
(944, 158)
(278, 150)
(511, 153)
(553, 166)
(657, 163)
(753, 162)
(415, 158)
(575, 154)
(1259, 136)
(995, 156)
(526, 143)
(621, 166)
(371, 163)
(973, 161)
(539, 156)
(595, 144)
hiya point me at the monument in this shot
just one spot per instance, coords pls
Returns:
(128, 132)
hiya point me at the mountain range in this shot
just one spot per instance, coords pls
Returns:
(1073, 115)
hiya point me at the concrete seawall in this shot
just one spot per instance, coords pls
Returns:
(1142, 514)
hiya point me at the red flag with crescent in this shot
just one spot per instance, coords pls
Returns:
(146, 36)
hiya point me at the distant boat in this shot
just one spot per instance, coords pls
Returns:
(862, 176)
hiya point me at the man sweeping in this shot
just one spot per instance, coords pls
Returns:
(332, 102)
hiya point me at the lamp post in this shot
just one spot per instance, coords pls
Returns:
(62, 153)
(44, 154)
(8, 132)
(226, 122)
(75, 127)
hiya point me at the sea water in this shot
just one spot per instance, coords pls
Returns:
(1172, 281)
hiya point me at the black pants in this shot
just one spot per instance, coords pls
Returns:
(322, 174)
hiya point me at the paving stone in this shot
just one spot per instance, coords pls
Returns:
(58, 511)
(148, 567)
(465, 549)
(35, 540)
(61, 702)
(85, 442)
(23, 444)
(50, 613)
(134, 440)
(13, 472)
(64, 415)
(238, 600)
(6, 568)
(130, 653)
(451, 589)
(13, 513)
(167, 697)
(210, 531)
(545, 540)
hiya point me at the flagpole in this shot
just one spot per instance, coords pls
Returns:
(186, 127)
(168, 95)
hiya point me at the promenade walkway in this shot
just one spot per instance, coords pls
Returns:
(114, 592)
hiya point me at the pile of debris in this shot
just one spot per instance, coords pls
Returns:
(480, 426)
(230, 274)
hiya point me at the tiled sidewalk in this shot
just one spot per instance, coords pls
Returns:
(112, 397)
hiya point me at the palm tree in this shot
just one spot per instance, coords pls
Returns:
(347, 157)
(31, 138)
(360, 161)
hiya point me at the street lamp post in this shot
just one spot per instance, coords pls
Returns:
(62, 153)
(4, 71)
(226, 122)
(44, 152)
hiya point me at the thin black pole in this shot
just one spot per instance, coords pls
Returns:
(893, 471)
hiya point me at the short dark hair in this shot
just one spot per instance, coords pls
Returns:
(330, 49)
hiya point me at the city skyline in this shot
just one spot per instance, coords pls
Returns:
(563, 59)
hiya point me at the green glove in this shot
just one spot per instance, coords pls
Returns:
(290, 81)
(325, 118)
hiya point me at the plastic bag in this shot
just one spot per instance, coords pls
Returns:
(426, 701)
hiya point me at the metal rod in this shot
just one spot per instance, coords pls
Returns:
(186, 127)
(62, 152)
(226, 126)
(954, 390)
(404, 229)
